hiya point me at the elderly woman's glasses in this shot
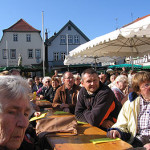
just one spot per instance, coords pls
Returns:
(146, 85)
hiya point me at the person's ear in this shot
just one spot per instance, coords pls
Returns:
(82, 82)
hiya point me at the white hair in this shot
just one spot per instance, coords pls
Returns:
(13, 87)
(46, 78)
(121, 78)
(76, 76)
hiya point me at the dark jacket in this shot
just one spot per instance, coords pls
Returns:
(36, 87)
(96, 108)
(46, 92)
(61, 97)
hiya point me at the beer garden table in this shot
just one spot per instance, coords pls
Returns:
(81, 141)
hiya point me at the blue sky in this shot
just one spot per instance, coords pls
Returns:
(93, 17)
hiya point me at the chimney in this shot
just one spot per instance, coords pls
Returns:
(55, 33)
(46, 35)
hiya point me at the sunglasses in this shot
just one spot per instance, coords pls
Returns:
(47, 82)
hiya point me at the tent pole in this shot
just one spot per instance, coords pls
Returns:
(132, 62)
(132, 58)
(95, 63)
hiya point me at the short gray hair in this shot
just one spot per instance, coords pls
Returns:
(46, 78)
(76, 76)
(13, 87)
(121, 78)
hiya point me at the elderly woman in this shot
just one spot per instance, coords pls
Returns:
(45, 94)
(14, 111)
(77, 79)
(120, 85)
(133, 123)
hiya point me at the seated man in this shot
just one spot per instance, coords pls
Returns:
(66, 95)
(14, 111)
(37, 85)
(102, 77)
(96, 103)
(55, 86)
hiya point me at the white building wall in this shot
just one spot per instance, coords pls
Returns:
(21, 47)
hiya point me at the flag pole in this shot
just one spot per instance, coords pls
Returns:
(7, 52)
(67, 47)
(67, 43)
(43, 47)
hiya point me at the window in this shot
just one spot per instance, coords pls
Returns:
(76, 39)
(12, 54)
(28, 37)
(56, 56)
(5, 53)
(70, 39)
(37, 53)
(30, 53)
(63, 56)
(15, 37)
(62, 39)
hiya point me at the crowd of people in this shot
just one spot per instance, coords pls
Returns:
(118, 103)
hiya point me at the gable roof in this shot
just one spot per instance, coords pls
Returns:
(22, 26)
(74, 26)
(138, 19)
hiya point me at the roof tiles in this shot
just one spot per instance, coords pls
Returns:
(138, 19)
(21, 25)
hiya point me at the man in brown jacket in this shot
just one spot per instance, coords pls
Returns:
(66, 96)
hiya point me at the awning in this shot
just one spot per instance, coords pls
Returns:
(131, 40)
(126, 66)
(146, 67)
(23, 69)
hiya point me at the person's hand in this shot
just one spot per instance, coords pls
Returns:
(41, 97)
(63, 105)
(66, 109)
(147, 146)
(113, 134)
(107, 124)
(37, 114)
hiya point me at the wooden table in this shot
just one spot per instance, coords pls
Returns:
(82, 140)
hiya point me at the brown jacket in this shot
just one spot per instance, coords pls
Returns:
(60, 97)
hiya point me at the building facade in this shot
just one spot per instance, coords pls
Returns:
(59, 45)
(21, 40)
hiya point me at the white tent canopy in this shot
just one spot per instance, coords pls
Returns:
(88, 60)
(131, 40)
